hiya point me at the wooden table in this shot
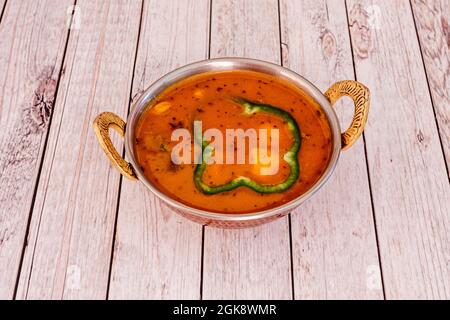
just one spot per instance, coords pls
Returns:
(71, 227)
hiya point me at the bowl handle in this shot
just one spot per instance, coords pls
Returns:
(102, 123)
(360, 95)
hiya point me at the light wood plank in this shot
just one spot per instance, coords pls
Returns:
(407, 169)
(334, 244)
(250, 263)
(33, 36)
(157, 254)
(433, 27)
(69, 250)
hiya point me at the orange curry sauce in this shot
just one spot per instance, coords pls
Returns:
(207, 97)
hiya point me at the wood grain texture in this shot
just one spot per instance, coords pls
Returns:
(334, 243)
(249, 263)
(70, 242)
(433, 28)
(408, 177)
(157, 254)
(33, 37)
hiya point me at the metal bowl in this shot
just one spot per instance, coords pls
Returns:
(358, 92)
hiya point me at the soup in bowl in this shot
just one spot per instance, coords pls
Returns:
(234, 142)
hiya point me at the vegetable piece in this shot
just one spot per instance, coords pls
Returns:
(290, 156)
(199, 93)
(161, 107)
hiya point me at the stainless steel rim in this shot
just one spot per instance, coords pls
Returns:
(222, 64)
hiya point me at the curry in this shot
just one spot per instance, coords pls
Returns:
(224, 101)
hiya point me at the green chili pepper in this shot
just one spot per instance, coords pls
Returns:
(290, 156)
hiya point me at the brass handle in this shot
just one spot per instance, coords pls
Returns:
(360, 95)
(102, 123)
